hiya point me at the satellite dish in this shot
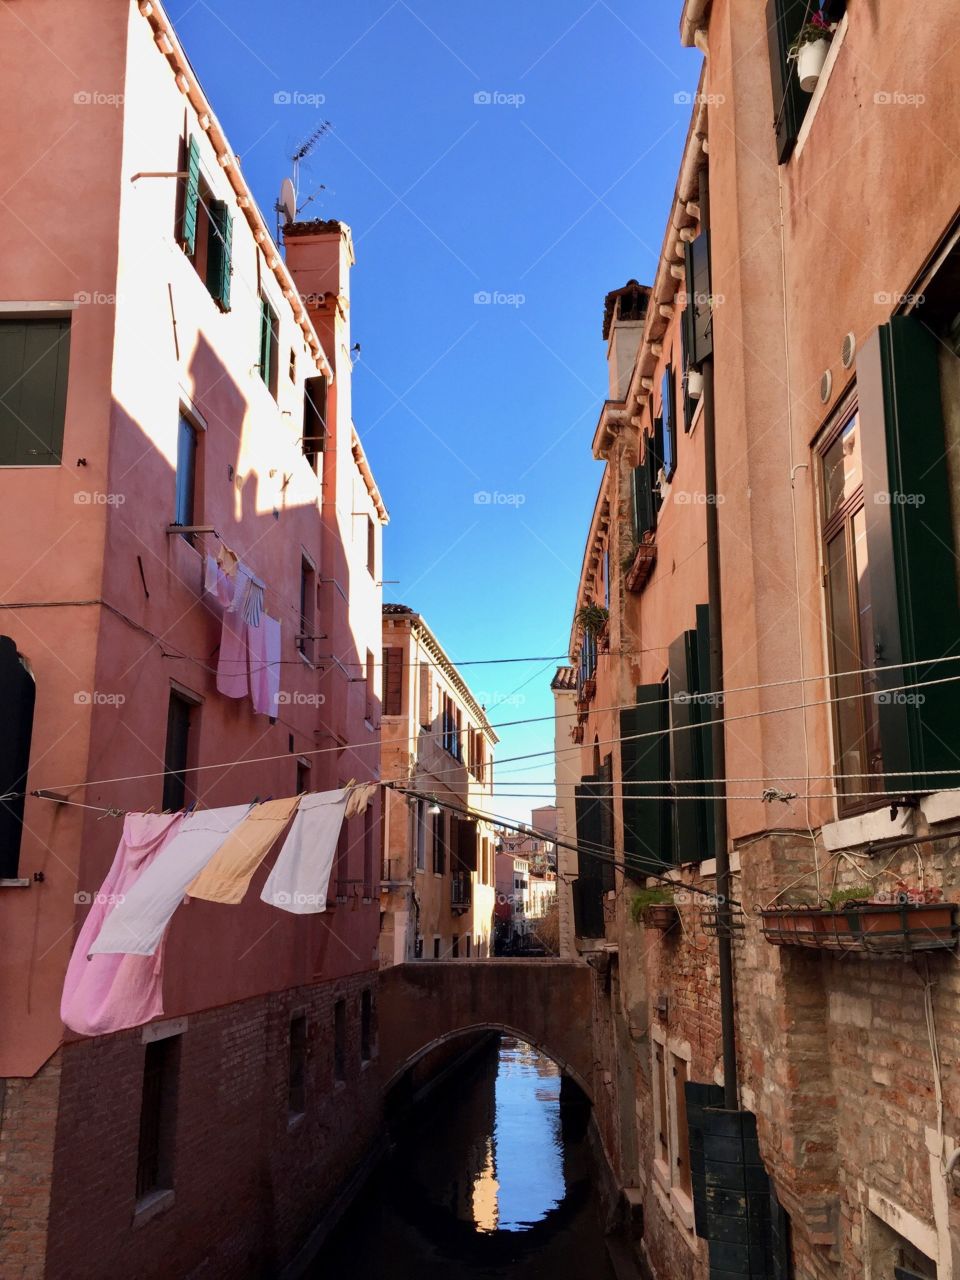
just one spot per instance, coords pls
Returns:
(288, 200)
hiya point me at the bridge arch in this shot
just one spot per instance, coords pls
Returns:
(547, 1003)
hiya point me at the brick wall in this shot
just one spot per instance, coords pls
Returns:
(250, 1182)
(28, 1109)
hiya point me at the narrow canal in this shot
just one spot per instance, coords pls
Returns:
(489, 1177)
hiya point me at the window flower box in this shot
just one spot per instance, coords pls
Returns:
(875, 928)
(639, 572)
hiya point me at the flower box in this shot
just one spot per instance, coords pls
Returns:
(871, 927)
(661, 915)
(642, 567)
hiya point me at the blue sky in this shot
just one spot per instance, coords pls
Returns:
(541, 194)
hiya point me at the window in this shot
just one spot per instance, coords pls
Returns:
(303, 777)
(889, 568)
(426, 696)
(697, 318)
(368, 851)
(671, 1138)
(469, 942)
(371, 688)
(308, 607)
(158, 1116)
(419, 817)
(668, 426)
(439, 844)
(314, 419)
(455, 947)
(17, 697)
(645, 495)
(269, 345)
(296, 1071)
(436, 947)
(418, 947)
(292, 366)
(366, 1025)
(180, 717)
(186, 506)
(34, 358)
(850, 623)
(340, 1041)
(392, 681)
(206, 230)
(784, 20)
(371, 547)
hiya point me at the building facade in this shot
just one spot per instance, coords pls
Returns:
(173, 390)
(566, 776)
(772, 552)
(437, 892)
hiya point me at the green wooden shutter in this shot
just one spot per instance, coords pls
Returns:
(644, 508)
(588, 887)
(911, 561)
(191, 196)
(219, 253)
(265, 340)
(644, 780)
(703, 739)
(683, 718)
(34, 363)
(698, 313)
(604, 787)
(784, 19)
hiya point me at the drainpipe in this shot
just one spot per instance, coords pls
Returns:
(731, 1093)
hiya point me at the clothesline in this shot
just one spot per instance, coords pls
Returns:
(115, 976)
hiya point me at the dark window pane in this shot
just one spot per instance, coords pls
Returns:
(179, 717)
(33, 391)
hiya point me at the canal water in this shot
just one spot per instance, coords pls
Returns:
(489, 1177)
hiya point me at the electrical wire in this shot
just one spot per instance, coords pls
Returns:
(460, 769)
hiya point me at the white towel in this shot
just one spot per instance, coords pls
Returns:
(136, 925)
(299, 879)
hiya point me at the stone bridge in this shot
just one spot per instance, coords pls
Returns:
(548, 1003)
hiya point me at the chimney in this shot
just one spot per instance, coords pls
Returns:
(624, 313)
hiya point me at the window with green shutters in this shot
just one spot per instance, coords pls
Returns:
(206, 230)
(645, 494)
(219, 253)
(34, 362)
(269, 345)
(891, 594)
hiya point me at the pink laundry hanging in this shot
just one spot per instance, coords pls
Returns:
(110, 992)
(233, 679)
(263, 643)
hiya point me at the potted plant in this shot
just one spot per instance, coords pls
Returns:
(655, 908)
(810, 50)
(592, 618)
(694, 384)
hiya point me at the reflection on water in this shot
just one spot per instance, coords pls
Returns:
(486, 1180)
(527, 1102)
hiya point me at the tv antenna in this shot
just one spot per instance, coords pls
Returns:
(286, 205)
